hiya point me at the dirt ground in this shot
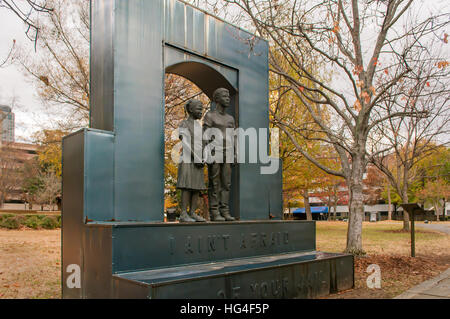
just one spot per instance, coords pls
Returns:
(30, 260)
(30, 264)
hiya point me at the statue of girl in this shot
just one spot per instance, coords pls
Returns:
(191, 180)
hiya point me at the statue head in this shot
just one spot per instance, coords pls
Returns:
(194, 108)
(222, 96)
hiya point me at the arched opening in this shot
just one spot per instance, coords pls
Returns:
(184, 81)
(204, 76)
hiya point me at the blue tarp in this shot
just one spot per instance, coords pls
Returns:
(314, 210)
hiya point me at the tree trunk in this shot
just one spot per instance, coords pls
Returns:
(405, 213)
(335, 200)
(334, 211)
(436, 210)
(307, 206)
(389, 201)
(356, 209)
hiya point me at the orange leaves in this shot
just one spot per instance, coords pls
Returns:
(358, 69)
(366, 97)
(445, 38)
(442, 64)
(360, 84)
(301, 88)
(336, 28)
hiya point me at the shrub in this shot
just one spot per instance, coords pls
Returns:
(4, 216)
(49, 223)
(12, 222)
(32, 222)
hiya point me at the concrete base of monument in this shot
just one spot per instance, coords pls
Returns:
(243, 259)
(294, 275)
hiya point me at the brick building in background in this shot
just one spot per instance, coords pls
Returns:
(13, 157)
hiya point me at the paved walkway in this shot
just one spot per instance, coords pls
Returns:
(436, 288)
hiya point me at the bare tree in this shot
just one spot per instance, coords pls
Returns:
(411, 139)
(26, 10)
(8, 59)
(356, 44)
(50, 190)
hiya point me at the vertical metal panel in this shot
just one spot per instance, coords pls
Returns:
(139, 96)
(99, 176)
(72, 207)
(345, 276)
(198, 31)
(175, 22)
(211, 36)
(97, 266)
(188, 23)
(101, 60)
(253, 112)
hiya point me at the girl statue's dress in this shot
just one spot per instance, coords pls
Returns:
(190, 175)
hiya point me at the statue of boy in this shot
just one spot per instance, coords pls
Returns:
(219, 169)
(190, 170)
